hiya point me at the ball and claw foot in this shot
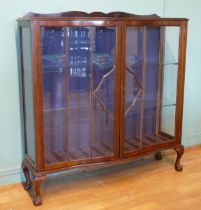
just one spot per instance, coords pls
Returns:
(158, 156)
(37, 200)
(180, 152)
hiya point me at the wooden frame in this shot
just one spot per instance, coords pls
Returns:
(38, 92)
(120, 21)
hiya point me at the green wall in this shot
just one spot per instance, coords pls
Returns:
(192, 100)
(11, 146)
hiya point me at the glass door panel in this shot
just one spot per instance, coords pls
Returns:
(53, 44)
(91, 67)
(102, 84)
(150, 85)
(142, 63)
(133, 83)
(151, 69)
(79, 93)
(78, 65)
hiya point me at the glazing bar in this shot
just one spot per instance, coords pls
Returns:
(160, 82)
(91, 89)
(143, 83)
(67, 98)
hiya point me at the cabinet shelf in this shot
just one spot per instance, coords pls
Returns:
(136, 144)
(166, 105)
(172, 63)
(81, 153)
(151, 64)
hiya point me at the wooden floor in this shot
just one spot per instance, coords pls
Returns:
(140, 185)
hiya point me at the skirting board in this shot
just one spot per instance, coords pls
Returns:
(15, 175)
(11, 176)
(190, 140)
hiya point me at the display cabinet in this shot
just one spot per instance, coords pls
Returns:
(99, 88)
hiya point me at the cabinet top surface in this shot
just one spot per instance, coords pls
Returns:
(94, 15)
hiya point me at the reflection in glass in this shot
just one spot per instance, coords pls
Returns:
(78, 104)
(53, 43)
(151, 70)
(103, 91)
(79, 92)
(133, 94)
(91, 91)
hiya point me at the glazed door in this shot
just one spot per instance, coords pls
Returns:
(149, 86)
(80, 89)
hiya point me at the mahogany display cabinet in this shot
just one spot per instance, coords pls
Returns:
(99, 88)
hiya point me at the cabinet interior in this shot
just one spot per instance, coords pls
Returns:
(79, 67)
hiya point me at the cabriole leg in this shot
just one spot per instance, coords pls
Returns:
(27, 184)
(180, 152)
(37, 200)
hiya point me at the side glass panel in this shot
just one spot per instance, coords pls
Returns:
(150, 85)
(28, 90)
(169, 87)
(53, 43)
